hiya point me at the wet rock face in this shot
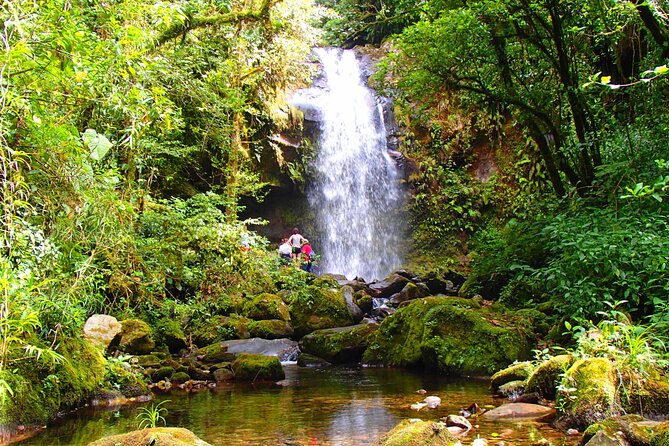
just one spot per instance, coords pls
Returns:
(520, 412)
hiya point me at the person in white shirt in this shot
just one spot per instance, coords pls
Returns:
(295, 241)
(285, 250)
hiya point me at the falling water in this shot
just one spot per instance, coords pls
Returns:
(356, 190)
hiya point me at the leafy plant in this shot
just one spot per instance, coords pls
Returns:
(150, 417)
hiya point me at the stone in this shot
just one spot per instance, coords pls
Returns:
(270, 329)
(635, 428)
(307, 360)
(458, 420)
(170, 333)
(415, 432)
(547, 376)
(519, 411)
(101, 330)
(512, 389)
(221, 328)
(254, 367)
(589, 393)
(450, 335)
(339, 345)
(136, 337)
(163, 436)
(601, 438)
(353, 308)
(266, 306)
(410, 291)
(515, 372)
(216, 352)
(386, 288)
(223, 375)
(317, 308)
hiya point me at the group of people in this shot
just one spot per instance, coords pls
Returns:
(297, 249)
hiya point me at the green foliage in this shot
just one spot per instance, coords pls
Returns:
(150, 417)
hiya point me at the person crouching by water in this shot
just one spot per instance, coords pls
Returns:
(295, 241)
(307, 253)
(285, 251)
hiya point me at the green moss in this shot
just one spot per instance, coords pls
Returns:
(452, 335)
(594, 396)
(163, 436)
(266, 306)
(42, 389)
(170, 333)
(338, 345)
(619, 424)
(270, 329)
(180, 377)
(136, 337)
(162, 373)
(215, 352)
(547, 376)
(221, 328)
(254, 367)
(315, 308)
(659, 435)
(418, 433)
(363, 300)
(645, 395)
(515, 372)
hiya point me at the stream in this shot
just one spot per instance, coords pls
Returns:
(331, 406)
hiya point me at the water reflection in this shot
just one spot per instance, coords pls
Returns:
(338, 406)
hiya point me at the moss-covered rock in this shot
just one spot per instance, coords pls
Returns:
(512, 389)
(180, 377)
(627, 424)
(307, 360)
(547, 376)
(163, 436)
(411, 291)
(148, 361)
(418, 433)
(590, 393)
(266, 306)
(221, 328)
(42, 388)
(392, 284)
(338, 345)
(136, 337)
(162, 373)
(171, 334)
(452, 335)
(316, 308)
(364, 301)
(515, 372)
(270, 329)
(216, 352)
(252, 367)
(645, 394)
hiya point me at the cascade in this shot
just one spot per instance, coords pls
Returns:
(355, 189)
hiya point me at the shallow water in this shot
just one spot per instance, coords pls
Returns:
(335, 406)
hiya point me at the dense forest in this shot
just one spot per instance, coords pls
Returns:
(131, 131)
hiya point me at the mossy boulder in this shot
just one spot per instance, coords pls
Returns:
(162, 373)
(452, 335)
(364, 301)
(253, 367)
(648, 395)
(136, 337)
(416, 432)
(148, 361)
(307, 360)
(170, 333)
(270, 329)
(180, 377)
(547, 376)
(216, 352)
(316, 308)
(590, 393)
(635, 433)
(266, 306)
(163, 436)
(338, 345)
(411, 291)
(512, 389)
(42, 388)
(221, 328)
(392, 284)
(515, 372)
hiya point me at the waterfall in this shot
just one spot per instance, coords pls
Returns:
(356, 188)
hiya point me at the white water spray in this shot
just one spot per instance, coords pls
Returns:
(356, 191)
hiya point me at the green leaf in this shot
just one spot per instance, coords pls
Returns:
(98, 144)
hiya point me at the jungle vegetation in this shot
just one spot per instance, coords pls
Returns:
(130, 129)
